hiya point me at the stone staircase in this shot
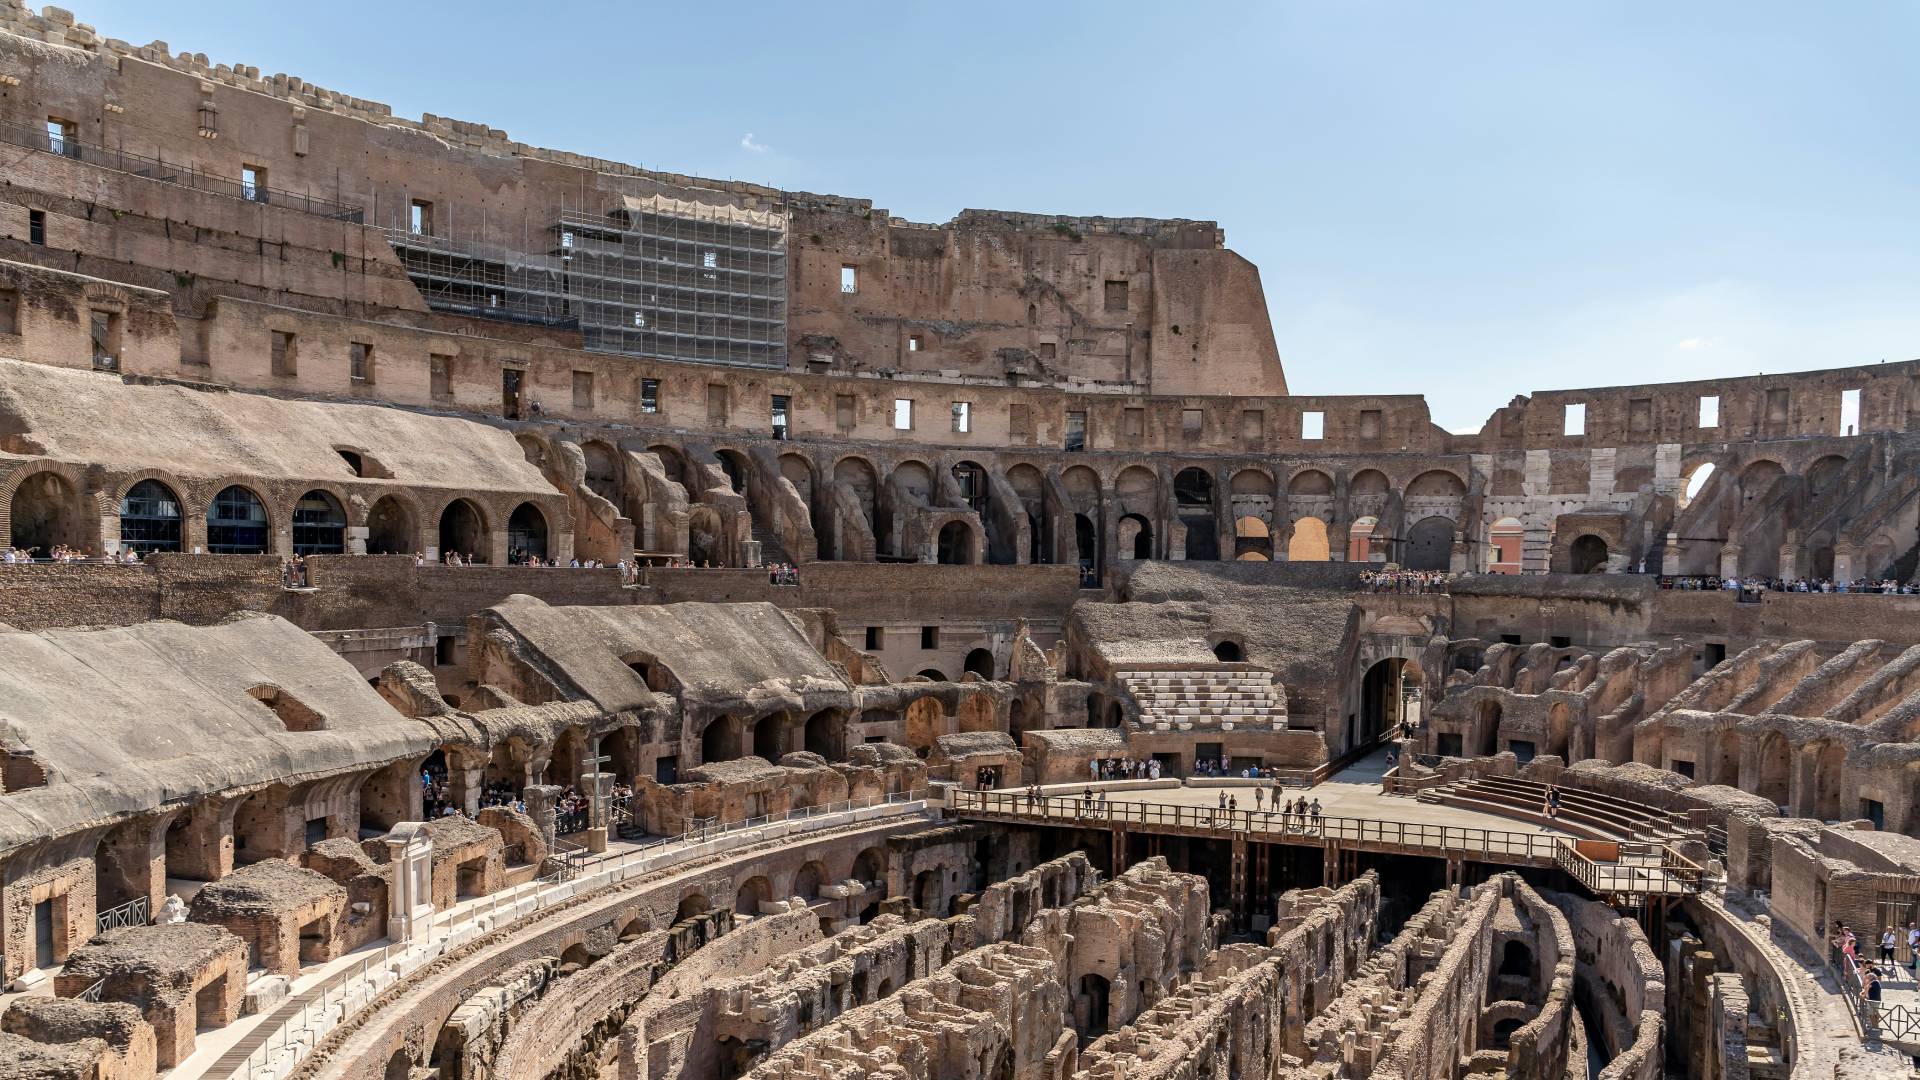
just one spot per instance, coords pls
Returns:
(1582, 813)
(1222, 699)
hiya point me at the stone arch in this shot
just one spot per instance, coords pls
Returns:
(1693, 481)
(1559, 726)
(770, 736)
(1137, 490)
(151, 518)
(926, 721)
(1310, 482)
(47, 511)
(1824, 474)
(1193, 501)
(1774, 762)
(1136, 536)
(1228, 651)
(1587, 555)
(1369, 482)
(392, 528)
(1252, 539)
(692, 906)
(870, 867)
(1829, 763)
(1486, 728)
(706, 536)
(720, 739)
(1757, 477)
(980, 662)
(753, 896)
(1309, 541)
(958, 544)
(603, 471)
(319, 524)
(1360, 539)
(463, 528)
(1430, 544)
(825, 734)
(1505, 537)
(810, 879)
(526, 533)
(915, 479)
(1436, 483)
(237, 522)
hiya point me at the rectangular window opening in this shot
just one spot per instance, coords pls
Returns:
(1193, 422)
(843, 413)
(1076, 431)
(903, 414)
(253, 183)
(963, 416)
(104, 328)
(1116, 296)
(1849, 412)
(649, 395)
(583, 389)
(849, 279)
(420, 217)
(285, 354)
(876, 638)
(717, 403)
(1313, 425)
(1048, 350)
(9, 312)
(440, 376)
(1709, 410)
(61, 137)
(1574, 420)
(37, 227)
(1253, 425)
(360, 362)
(929, 637)
(782, 405)
(1134, 424)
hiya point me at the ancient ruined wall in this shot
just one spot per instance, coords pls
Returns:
(1619, 980)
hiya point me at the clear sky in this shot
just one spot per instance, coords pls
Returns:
(1466, 200)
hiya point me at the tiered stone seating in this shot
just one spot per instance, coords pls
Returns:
(1223, 699)
(1583, 813)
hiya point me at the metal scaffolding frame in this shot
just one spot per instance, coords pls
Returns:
(646, 277)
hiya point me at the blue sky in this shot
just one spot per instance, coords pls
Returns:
(1465, 200)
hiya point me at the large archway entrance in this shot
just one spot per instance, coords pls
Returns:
(237, 523)
(1588, 555)
(526, 534)
(390, 528)
(1430, 544)
(956, 544)
(319, 525)
(720, 740)
(46, 514)
(1193, 505)
(150, 518)
(1388, 693)
(463, 530)
(1309, 541)
(1775, 781)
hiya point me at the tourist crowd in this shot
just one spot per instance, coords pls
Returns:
(1715, 583)
(61, 553)
(1870, 972)
(1403, 581)
(782, 574)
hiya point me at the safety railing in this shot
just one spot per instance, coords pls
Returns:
(349, 991)
(131, 913)
(1511, 846)
(183, 175)
(1670, 875)
(92, 993)
(1891, 1022)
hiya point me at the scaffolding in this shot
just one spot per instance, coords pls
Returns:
(655, 276)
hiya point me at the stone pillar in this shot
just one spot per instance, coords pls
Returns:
(541, 800)
(1670, 555)
(1730, 560)
(357, 539)
(205, 848)
(410, 886)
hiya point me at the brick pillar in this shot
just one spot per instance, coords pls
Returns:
(541, 800)
(203, 847)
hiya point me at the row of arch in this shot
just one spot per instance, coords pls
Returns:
(46, 510)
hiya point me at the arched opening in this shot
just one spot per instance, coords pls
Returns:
(706, 537)
(390, 528)
(926, 721)
(1193, 506)
(1360, 540)
(1087, 549)
(980, 662)
(237, 523)
(1252, 539)
(1136, 536)
(1228, 652)
(1757, 477)
(1436, 484)
(1587, 555)
(526, 534)
(692, 906)
(809, 879)
(463, 530)
(1504, 538)
(1309, 541)
(1821, 562)
(926, 891)
(1430, 542)
(1827, 795)
(720, 740)
(1559, 726)
(399, 1066)
(870, 868)
(754, 893)
(1726, 758)
(1696, 482)
(932, 674)
(1824, 475)
(577, 956)
(770, 736)
(1091, 1003)
(1016, 720)
(825, 734)
(1503, 1030)
(1486, 735)
(1384, 694)
(1776, 769)
(735, 466)
(46, 513)
(319, 525)
(149, 518)
(956, 544)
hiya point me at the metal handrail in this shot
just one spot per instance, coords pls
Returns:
(92, 993)
(182, 175)
(1896, 1022)
(131, 913)
(353, 990)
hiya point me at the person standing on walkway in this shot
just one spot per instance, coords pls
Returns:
(1913, 949)
(1886, 945)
